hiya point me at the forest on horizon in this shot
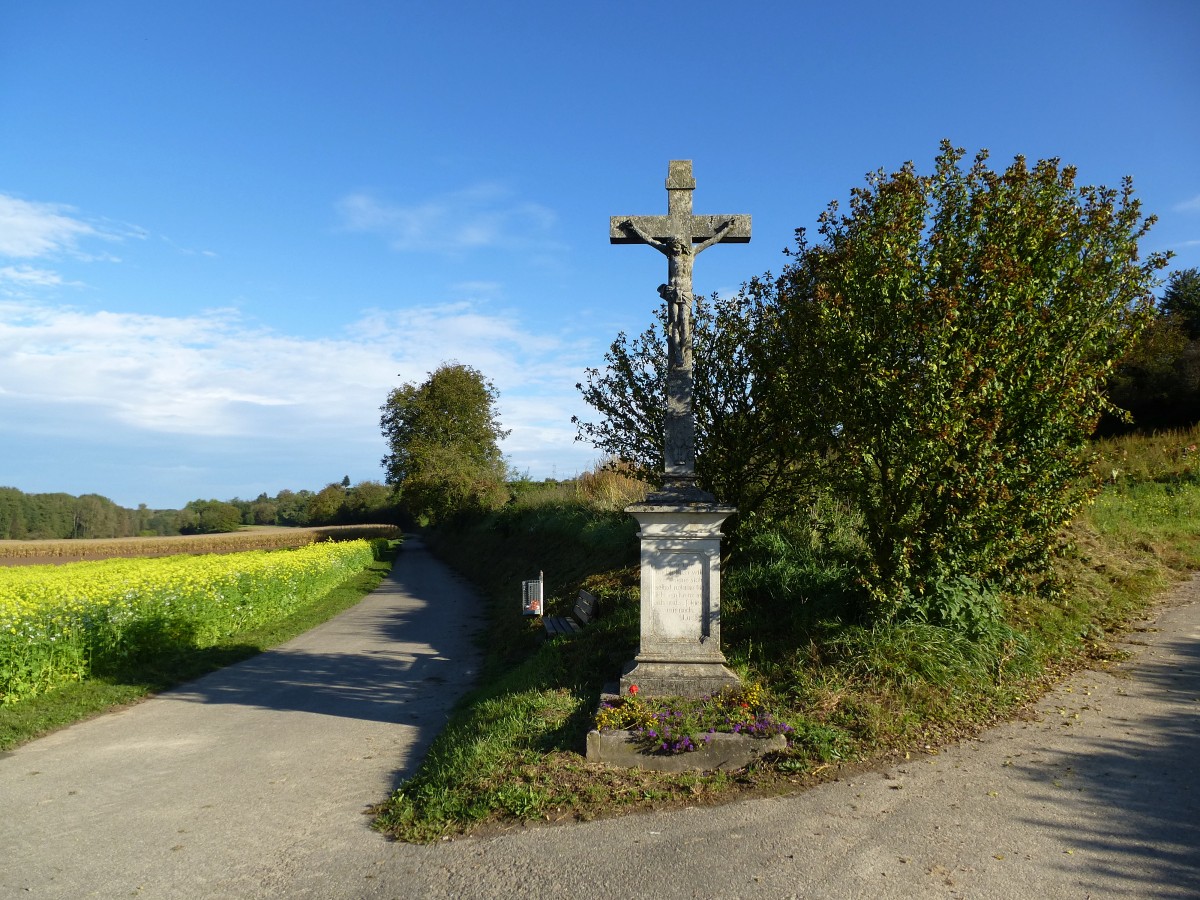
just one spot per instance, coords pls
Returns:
(64, 516)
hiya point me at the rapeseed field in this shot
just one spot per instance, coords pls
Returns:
(59, 623)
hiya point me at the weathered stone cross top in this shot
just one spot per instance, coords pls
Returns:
(674, 235)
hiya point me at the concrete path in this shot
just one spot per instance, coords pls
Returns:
(254, 778)
(250, 783)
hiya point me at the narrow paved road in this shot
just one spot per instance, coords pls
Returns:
(250, 783)
(252, 779)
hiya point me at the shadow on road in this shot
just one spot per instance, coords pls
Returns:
(1127, 800)
(372, 684)
(404, 656)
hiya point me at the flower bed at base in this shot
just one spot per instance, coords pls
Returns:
(721, 752)
(727, 730)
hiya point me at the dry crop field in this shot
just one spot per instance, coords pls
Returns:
(19, 553)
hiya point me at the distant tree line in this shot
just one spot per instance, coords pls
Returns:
(63, 516)
(1159, 381)
(338, 503)
(47, 516)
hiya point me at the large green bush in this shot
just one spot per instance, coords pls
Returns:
(947, 347)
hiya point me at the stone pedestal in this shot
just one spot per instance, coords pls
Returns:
(680, 652)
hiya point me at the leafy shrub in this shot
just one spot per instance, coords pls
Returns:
(952, 337)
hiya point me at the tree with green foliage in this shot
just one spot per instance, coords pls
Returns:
(738, 455)
(1181, 300)
(61, 516)
(443, 437)
(291, 507)
(948, 344)
(261, 511)
(211, 517)
(325, 507)
(368, 502)
(1158, 382)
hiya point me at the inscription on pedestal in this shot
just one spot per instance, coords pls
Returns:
(679, 592)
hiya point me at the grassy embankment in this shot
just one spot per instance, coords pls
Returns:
(130, 677)
(855, 694)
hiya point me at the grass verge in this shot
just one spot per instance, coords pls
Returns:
(855, 695)
(28, 719)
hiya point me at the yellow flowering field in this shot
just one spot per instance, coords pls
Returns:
(60, 623)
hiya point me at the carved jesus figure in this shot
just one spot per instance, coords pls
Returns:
(677, 292)
(679, 236)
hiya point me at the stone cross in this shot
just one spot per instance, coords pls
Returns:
(680, 649)
(674, 235)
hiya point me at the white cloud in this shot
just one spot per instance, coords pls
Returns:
(29, 277)
(128, 378)
(482, 216)
(49, 231)
(31, 230)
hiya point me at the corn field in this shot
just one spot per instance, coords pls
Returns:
(61, 551)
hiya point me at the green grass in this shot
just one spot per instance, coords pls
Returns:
(513, 749)
(27, 719)
(793, 623)
(1162, 456)
(1158, 517)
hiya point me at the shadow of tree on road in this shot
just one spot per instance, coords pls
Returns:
(1127, 801)
(403, 656)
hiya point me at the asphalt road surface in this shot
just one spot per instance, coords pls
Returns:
(253, 781)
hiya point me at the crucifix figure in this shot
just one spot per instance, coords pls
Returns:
(679, 236)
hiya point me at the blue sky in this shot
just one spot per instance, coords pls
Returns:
(228, 229)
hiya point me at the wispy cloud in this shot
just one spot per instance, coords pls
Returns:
(30, 230)
(477, 288)
(481, 216)
(28, 276)
(50, 232)
(125, 377)
(1192, 205)
(188, 251)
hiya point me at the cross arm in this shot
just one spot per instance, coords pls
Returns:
(663, 227)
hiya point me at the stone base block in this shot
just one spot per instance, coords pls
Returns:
(725, 752)
(677, 679)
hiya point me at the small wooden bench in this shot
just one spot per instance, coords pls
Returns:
(582, 614)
